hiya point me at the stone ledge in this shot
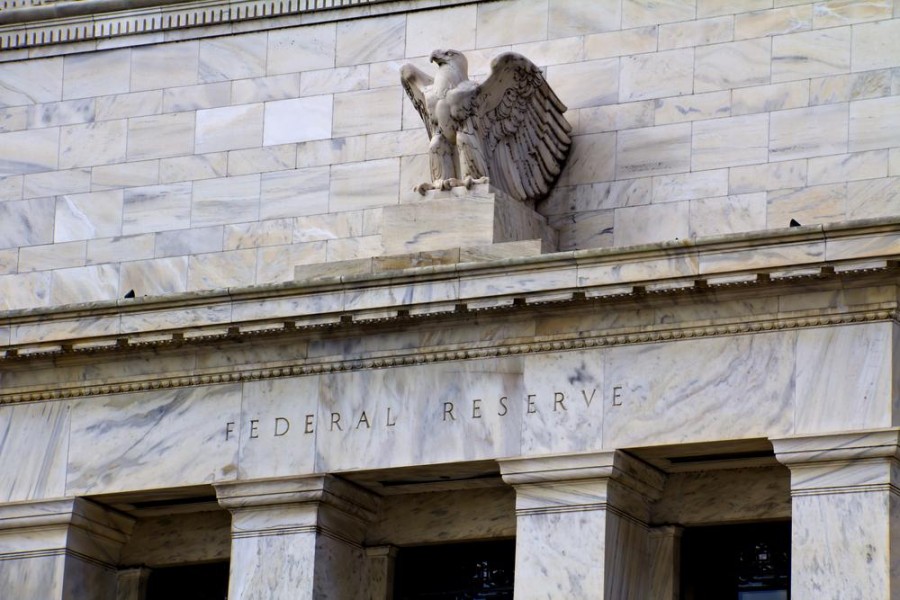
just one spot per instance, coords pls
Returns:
(447, 289)
(66, 25)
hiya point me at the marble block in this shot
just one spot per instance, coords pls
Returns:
(844, 378)
(129, 441)
(458, 218)
(34, 436)
(670, 408)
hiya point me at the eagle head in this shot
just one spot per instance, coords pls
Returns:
(450, 57)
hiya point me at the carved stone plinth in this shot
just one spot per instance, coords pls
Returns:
(462, 218)
(448, 228)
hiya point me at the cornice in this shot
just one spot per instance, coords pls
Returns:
(362, 305)
(61, 26)
(783, 257)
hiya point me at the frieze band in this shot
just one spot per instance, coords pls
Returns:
(450, 411)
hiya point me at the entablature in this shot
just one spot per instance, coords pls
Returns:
(65, 26)
(845, 273)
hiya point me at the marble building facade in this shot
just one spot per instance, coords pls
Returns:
(323, 371)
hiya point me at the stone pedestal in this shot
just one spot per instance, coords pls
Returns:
(581, 525)
(462, 218)
(297, 538)
(60, 549)
(845, 527)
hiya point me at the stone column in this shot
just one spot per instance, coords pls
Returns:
(382, 560)
(665, 562)
(845, 514)
(581, 525)
(60, 549)
(297, 538)
(132, 583)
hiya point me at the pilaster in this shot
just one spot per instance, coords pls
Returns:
(845, 529)
(581, 529)
(382, 561)
(665, 562)
(60, 549)
(132, 583)
(297, 538)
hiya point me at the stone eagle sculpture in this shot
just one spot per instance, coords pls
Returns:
(510, 129)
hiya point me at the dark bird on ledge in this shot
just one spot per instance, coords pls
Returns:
(794, 223)
(129, 294)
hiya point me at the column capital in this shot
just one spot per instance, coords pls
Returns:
(807, 449)
(583, 482)
(859, 461)
(319, 503)
(74, 526)
(384, 551)
(615, 465)
(319, 489)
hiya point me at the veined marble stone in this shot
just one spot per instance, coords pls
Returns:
(323, 369)
(461, 217)
(65, 548)
(845, 513)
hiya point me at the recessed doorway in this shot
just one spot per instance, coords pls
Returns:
(737, 562)
(469, 570)
(207, 581)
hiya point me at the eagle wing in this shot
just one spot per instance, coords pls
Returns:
(512, 129)
(415, 81)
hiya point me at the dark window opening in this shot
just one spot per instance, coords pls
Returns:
(736, 562)
(466, 571)
(207, 581)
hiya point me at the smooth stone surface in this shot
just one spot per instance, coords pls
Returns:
(461, 218)
(170, 540)
(671, 409)
(34, 437)
(832, 395)
(468, 514)
(126, 442)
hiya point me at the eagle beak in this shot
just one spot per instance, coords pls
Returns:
(436, 56)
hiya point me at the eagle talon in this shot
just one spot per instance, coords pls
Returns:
(469, 181)
(423, 188)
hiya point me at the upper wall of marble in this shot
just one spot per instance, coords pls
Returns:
(169, 162)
